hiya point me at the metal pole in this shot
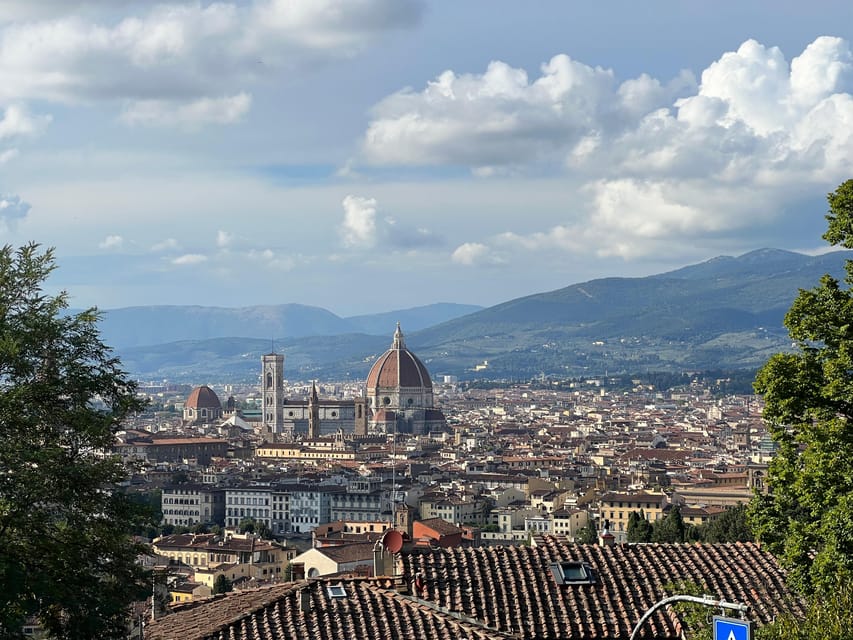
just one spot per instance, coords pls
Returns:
(706, 600)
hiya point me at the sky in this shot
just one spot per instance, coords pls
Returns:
(370, 155)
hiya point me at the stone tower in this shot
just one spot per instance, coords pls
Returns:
(313, 413)
(360, 416)
(272, 383)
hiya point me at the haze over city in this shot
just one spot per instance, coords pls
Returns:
(406, 152)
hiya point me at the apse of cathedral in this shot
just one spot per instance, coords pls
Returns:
(398, 396)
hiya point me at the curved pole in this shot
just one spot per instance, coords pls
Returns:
(706, 600)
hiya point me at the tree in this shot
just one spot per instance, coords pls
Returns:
(66, 555)
(731, 526)
(222, 584)
(807, 518)
(671, 528)
(828, 617)
(588, 534)
(639, 529)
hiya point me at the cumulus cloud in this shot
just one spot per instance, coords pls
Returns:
(469, 253)
(362, 228)
(17, 121)
(223, 239)
(172, 63)
(189, 259)
(658, 163)
(12, 209)
(169, 244)
(111, 242)
(359, 225)
(271, 259)
(191, 115)
(501, 118)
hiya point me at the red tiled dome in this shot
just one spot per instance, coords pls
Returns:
(398, 368)
(203, 398)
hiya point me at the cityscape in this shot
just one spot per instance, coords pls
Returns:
(407, 319)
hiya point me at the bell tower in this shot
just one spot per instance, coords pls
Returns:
(313, 413)
(272, 392)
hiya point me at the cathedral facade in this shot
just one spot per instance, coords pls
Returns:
(398, 396)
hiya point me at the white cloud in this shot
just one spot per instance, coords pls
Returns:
(169, 244)
(8, 154)
(470, 253)
(189, 259)
(501, 118)
(192, 115)
(17, 121)
(172, 64)
(223, 239)
(111, 242)
(359, 225)
(361, 228)
(658, 162)
(271, 259)
(12, 209)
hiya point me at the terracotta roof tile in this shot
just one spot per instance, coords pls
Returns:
(498, 592)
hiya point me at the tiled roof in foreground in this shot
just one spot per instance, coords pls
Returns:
(368, 610)
(498, 592)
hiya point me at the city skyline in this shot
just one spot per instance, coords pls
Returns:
(338, 154)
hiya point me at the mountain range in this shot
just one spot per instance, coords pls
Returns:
(725, 313)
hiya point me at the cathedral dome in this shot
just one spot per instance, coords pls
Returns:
(203, 398)
(398, 368)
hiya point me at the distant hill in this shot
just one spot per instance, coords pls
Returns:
(138, 326)
(725, 313)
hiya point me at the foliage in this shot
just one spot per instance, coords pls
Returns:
(731, 526)
(695, 617)
(807, 519)
(257, 527)
(149, 504)
(639, 529)
(671, 528)
(588, 534)
(828, 617)
(67, 556)
(222, 584)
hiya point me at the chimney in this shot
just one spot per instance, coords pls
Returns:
(305, 600)
(606, 539)
(378, 559)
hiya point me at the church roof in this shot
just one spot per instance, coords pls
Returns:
(398, 367)
(203, 397)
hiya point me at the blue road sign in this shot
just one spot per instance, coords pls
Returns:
(731, 629)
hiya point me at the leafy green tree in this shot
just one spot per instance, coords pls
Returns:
(639, 529)
(807, 518)
(588, 534)
(731, 526)
(671, 528)
(66, 555)
(828, 616)
(257, 527)
(222, 584)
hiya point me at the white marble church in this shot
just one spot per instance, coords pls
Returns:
(398, 395)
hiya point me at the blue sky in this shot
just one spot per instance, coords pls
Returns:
(366, 155)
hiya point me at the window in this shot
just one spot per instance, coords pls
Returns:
(336, 590)
(572, 573)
